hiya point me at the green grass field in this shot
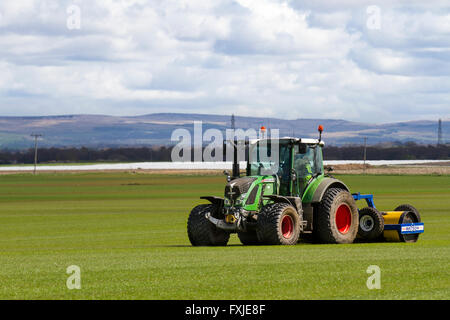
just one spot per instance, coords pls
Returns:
(127, 233)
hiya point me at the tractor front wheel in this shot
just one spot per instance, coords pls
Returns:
(249, 238)
(278, 224)
(337, 218)
(201, 231)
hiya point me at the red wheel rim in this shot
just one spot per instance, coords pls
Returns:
(343, 218)
(287, 226)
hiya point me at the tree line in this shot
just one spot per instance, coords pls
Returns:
(407, 151)
(61, 155)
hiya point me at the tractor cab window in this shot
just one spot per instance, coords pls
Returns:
(261, 165)
(307, 163)
(259, 160)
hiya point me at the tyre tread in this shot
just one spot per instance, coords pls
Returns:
(202, 232)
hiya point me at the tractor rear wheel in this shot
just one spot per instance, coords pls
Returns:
(201, 231)
(337, 219)
(278, 224)
(248, 238)
(371, 224)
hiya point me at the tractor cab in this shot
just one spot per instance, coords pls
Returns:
(295, 164)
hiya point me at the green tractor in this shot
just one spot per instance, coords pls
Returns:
(276, 204)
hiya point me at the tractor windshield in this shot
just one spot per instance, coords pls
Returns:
(265, 161)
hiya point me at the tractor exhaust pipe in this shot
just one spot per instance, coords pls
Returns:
(236, 170)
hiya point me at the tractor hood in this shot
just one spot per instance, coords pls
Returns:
(238, 187)
(246, 191)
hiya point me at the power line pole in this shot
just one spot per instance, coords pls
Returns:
(439, 142)
(365, 153)
(36, 136)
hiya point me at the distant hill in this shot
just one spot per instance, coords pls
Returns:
(156, 129)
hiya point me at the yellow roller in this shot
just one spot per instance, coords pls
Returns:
(391, 217)
(401, 226)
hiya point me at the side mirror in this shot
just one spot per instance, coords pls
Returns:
(227, 173)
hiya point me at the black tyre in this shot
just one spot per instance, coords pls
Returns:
(408, 207)
(249, 238)
(337, 218)
(201, 231)
(410, 216)
(278, 224)
(371, 224)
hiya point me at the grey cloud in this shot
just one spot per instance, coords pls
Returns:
(306, 59)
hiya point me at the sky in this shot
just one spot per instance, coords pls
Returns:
(368, 61)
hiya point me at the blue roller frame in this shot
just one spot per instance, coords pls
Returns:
(367, 197)
(405, 228)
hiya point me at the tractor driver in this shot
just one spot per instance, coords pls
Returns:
(303, 165)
